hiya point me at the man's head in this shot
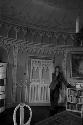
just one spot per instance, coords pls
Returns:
(57, 70)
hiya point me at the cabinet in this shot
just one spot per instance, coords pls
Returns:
(2, 86)
(74, 100)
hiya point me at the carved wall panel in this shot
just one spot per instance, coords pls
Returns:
(38, 43)
(35, 70)
(40, 70)
(33, 35)
(41, 76)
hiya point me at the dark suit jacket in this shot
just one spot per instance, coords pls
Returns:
(57, 81)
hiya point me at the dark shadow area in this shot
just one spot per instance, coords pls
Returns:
(3, 55)
(39, 113)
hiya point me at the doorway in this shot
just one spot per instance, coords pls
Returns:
(40, 78)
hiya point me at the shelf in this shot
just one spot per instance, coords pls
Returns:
(73, 110)
(71, 95)
(74, 100)
(80, 103)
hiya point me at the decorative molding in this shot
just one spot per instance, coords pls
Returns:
(34, 32)
(34, 50)
(37, 42)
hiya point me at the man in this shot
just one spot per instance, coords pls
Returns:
(56, 85)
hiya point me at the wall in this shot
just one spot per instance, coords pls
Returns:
(23, 74)
(21, 48)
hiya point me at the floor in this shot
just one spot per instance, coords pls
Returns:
(63, 118)
(39, 113)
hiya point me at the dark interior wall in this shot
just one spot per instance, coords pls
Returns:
(3, 55)
(59, 57)
(22, 74)
(23, 71)
(21, 66)
(24, 63)
(9, 83)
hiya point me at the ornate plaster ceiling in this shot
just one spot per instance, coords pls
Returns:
(57, 15)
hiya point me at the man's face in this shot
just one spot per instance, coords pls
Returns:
(57, 71)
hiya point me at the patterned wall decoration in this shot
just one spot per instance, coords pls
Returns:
(33, 35)
(40, 70)
(34, 41)
(41, 76)
(35, 67)
(38, 43)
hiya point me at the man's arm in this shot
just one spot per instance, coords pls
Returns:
(66, 83)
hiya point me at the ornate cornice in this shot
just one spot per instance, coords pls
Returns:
(34, 41)
(33, 50)
(24, 33)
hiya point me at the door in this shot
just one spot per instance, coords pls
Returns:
(41, 76)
